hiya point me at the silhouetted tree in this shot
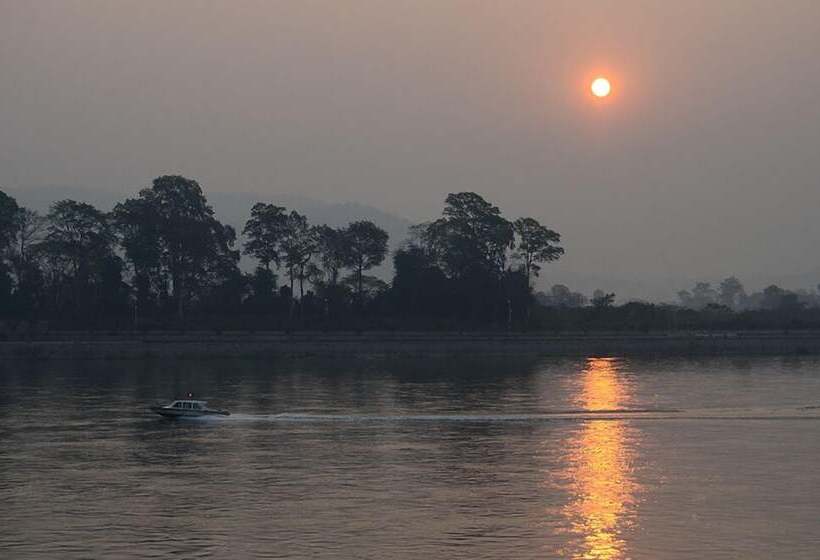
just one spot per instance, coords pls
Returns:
(137, 223)
(453, 274)
(25, 259)
(79, 249)
(196, 250)
(263, 289)
(535, 244)
(8, 228)
(226, 287)
(298, 244)
(265, 231)
(334, 251)
(470, 234)
(366, 287)
(29, 229)
(8, 221)
(419, 288)
(21, 282)
(366, 247)
(469, 243)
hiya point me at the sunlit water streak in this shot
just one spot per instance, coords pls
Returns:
(603, 488)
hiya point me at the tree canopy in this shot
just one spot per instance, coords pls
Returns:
(366, 247)
(470, 235)
(8, 217)
(170, 234)
(162, 259)
(265, 231)
(536, 244)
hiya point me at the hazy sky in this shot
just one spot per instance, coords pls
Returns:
(705, 161)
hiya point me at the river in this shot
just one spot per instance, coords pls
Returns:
(472, 457)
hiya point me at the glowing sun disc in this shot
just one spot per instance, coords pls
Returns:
(600, 87)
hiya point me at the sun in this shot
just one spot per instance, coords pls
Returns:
(600, 87)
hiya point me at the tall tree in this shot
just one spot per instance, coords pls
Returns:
(536, 244)
(334, 251)
(25, 257)
(367, 247)
(298, 244)
(137, 224)
(8, 228)
(8, 221)
(196, 250)
(470, 234)
(265, 231)
(79, 235)
(419, 286)
(79, 248)
(29, 227)
(469, 243)
(263, 289)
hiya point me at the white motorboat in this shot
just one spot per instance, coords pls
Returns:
(187, 408)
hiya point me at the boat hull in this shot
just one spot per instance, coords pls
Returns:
(168, 412)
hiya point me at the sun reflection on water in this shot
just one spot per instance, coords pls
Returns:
(603, 489)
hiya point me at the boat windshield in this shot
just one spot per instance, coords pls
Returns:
(194, 405)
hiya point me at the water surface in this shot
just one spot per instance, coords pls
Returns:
(602, 458)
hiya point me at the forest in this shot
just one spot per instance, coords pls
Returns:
(162, 260)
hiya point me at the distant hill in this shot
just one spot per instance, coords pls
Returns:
(234, 209)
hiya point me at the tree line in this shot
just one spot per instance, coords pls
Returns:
(726, 307)
(162, 259)
(732, 295)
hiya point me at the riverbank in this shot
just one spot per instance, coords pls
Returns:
(87, 345)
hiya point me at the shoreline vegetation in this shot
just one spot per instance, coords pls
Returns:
(241, 344)
(162, 261)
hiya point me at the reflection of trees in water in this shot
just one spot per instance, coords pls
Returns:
(599, 469)
(461, 382)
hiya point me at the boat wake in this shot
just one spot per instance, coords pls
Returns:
(643, 414)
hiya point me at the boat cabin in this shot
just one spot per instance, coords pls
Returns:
(189, 405)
